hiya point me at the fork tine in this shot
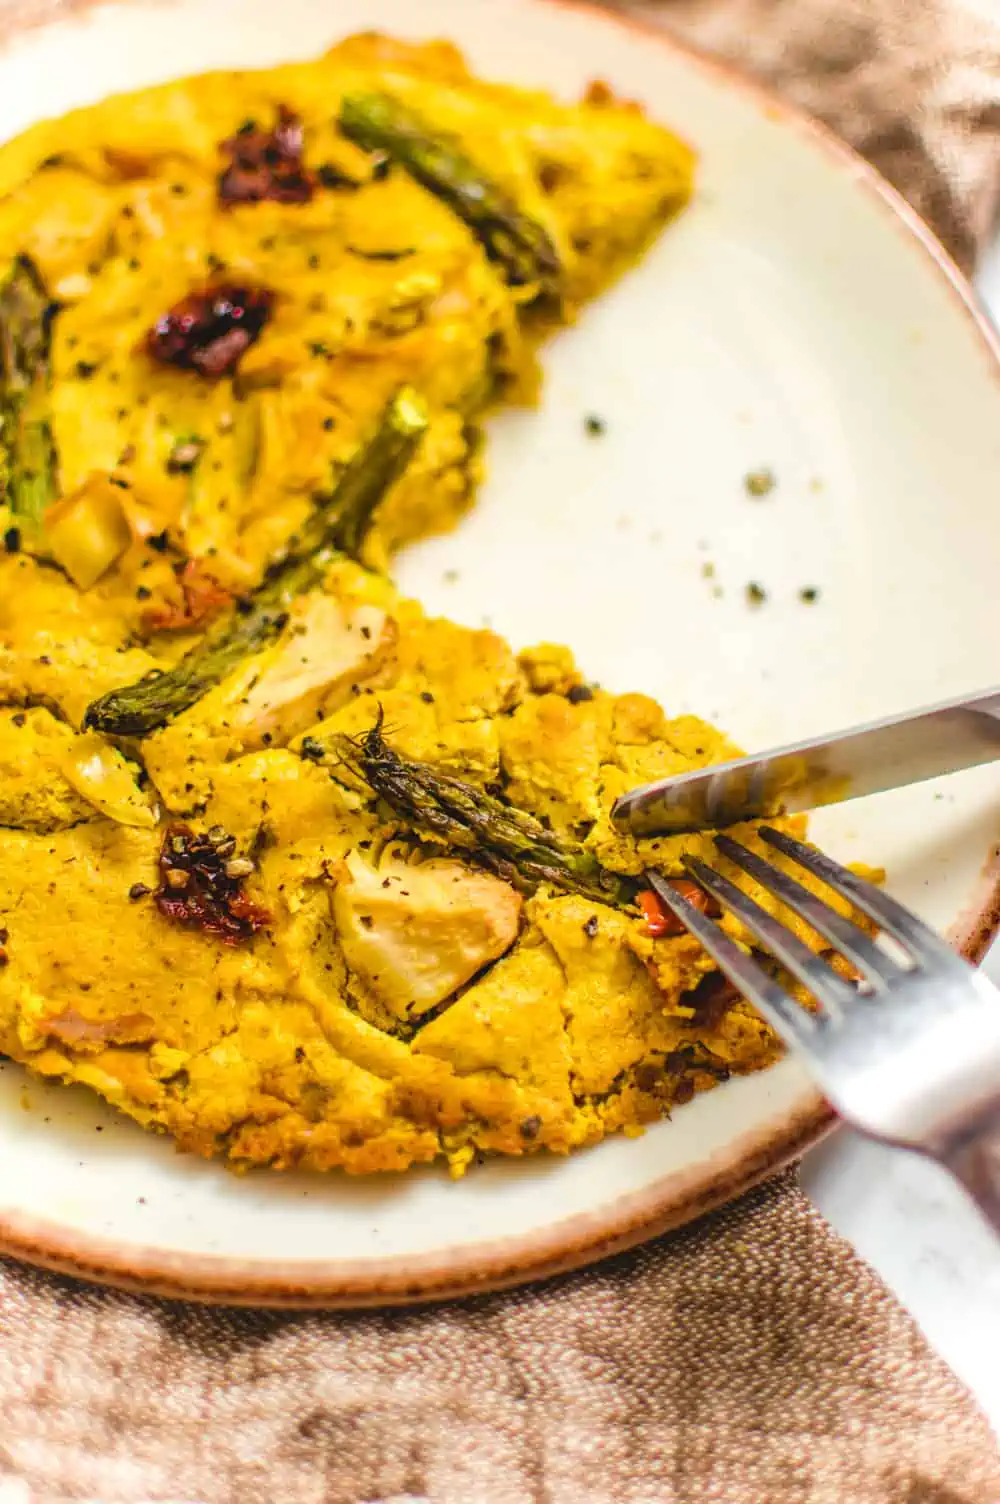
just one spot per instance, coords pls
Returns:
(873, 963)
(889, 915)
(794, 1023)
(832, 991)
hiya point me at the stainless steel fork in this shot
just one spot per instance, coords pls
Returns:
(911, 1054)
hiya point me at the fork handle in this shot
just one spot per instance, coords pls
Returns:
(977, 1166)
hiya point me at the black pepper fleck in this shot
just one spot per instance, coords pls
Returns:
(594, 425)
(331, 177)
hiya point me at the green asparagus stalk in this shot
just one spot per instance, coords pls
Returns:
(519, 244)
(338, 525)
(24, 331)
(32, 483)
(511, 843)
(27, 453)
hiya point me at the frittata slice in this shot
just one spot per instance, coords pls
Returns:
(283, 969)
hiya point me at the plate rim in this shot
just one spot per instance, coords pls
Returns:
(664, 1205)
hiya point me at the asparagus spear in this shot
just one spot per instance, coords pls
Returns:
(511, 843)
(27, 453)
(337, 525)
(518, 243)
(24, 328)
(31, 482)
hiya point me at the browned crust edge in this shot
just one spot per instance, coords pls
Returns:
(668, 1203)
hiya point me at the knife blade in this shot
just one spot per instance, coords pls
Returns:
(868, 759)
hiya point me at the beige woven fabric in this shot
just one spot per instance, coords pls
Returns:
(748, 1360)
(914, 85)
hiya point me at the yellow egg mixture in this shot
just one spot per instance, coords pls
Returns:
(288, 869)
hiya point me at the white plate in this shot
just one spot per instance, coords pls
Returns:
(798, 318)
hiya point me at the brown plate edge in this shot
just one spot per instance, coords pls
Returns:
(586, 1238)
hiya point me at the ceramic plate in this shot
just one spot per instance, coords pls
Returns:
(798, 318)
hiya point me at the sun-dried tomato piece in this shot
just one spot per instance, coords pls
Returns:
(661, 921)
(203, 597)
(210, 330)
(266, 164)
(202, 885)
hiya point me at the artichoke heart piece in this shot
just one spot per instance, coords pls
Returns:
(88, 531)
(416, 932)
(99, 773)
(323, 646)
(338, 524)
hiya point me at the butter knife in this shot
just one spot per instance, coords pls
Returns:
(886, 754)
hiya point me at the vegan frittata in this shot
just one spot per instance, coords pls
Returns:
(289, 869)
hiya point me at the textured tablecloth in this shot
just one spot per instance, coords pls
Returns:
(749, 1359)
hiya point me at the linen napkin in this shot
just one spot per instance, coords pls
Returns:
(914, 85)
(751, 1359)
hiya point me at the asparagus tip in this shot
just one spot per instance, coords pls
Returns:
(409, 412)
